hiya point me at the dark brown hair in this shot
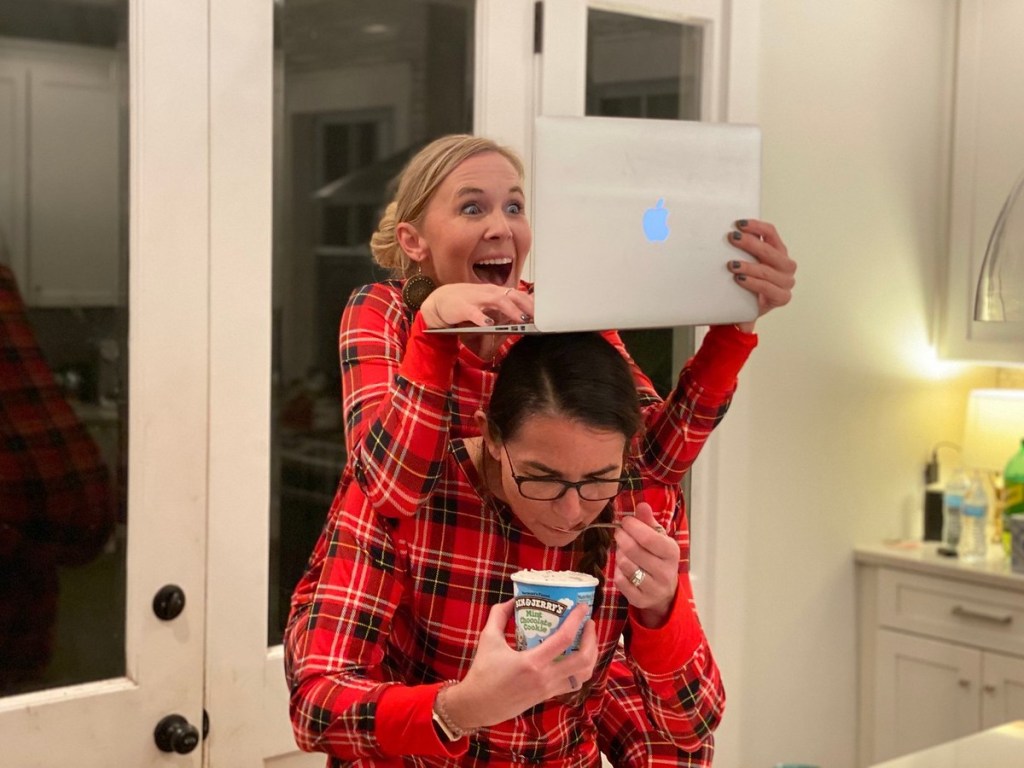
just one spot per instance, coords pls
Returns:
(579, 376)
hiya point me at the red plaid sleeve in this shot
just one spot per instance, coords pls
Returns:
(625, 735)
(678, 428)
(677, 683)
(395, 391)
(676, 673)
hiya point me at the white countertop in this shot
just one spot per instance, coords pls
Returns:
(922, 556)
(1001, 747)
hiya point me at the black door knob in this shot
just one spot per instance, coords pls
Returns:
(169, 602)
(175, 734)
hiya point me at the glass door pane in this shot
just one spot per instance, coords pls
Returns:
(361, 87)
(640, 67)
(646, 68)
(63, 333)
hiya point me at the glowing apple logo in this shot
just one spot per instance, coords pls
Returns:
(656, 222)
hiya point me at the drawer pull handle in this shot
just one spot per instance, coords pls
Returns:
(967, 613)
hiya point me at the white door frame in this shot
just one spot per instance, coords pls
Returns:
(240, 682)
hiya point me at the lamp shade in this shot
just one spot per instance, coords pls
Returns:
(993, 428)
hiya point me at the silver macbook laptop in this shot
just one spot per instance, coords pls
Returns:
(630, 223)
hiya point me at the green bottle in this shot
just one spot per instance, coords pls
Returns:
(1013, 481)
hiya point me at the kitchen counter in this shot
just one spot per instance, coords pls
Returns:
(923, 557)
(1001, 747)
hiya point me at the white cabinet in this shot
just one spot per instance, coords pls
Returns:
(928, 692)
(60, 202)
(1002, 687)
(941, 650)
(988, 157)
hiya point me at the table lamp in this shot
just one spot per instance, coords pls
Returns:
(993, 429)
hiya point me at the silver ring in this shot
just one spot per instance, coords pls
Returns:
(638, 577)
(572, 683)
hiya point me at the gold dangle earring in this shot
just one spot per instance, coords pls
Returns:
(416, 289)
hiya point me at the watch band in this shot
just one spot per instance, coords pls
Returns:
(441, 719)
(442, 729)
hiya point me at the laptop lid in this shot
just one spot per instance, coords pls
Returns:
(631, 218)
(630, 222)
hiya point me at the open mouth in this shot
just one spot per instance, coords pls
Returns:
(495, 271)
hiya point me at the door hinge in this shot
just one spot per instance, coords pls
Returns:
(538, 27)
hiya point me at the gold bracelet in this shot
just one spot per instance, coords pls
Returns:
(445, 719)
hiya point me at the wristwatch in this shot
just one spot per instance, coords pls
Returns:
(442, 729)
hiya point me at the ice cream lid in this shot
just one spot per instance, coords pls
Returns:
(558, 578)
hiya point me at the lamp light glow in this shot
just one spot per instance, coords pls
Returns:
(993, 428)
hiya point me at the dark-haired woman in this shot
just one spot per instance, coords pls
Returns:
(398, 645)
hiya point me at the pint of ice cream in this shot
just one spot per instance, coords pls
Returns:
(544, 598)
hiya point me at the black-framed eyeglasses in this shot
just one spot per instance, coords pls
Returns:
(550, 489)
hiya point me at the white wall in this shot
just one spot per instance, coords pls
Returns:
(839, 406)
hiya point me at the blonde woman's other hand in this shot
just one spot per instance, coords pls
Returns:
(772, 274)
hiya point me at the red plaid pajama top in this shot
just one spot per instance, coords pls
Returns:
(391, 607)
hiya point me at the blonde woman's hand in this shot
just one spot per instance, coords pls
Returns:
(456, 304)
(502, 682)
(771, 277)
(646, 565)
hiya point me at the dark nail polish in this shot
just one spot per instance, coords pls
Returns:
(737, 235)
(734, 265)
(741, 278)
(525, 318)
(741, 223)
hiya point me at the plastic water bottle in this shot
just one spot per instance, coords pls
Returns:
(952, 504)
(973, 523)
(1013, 476)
